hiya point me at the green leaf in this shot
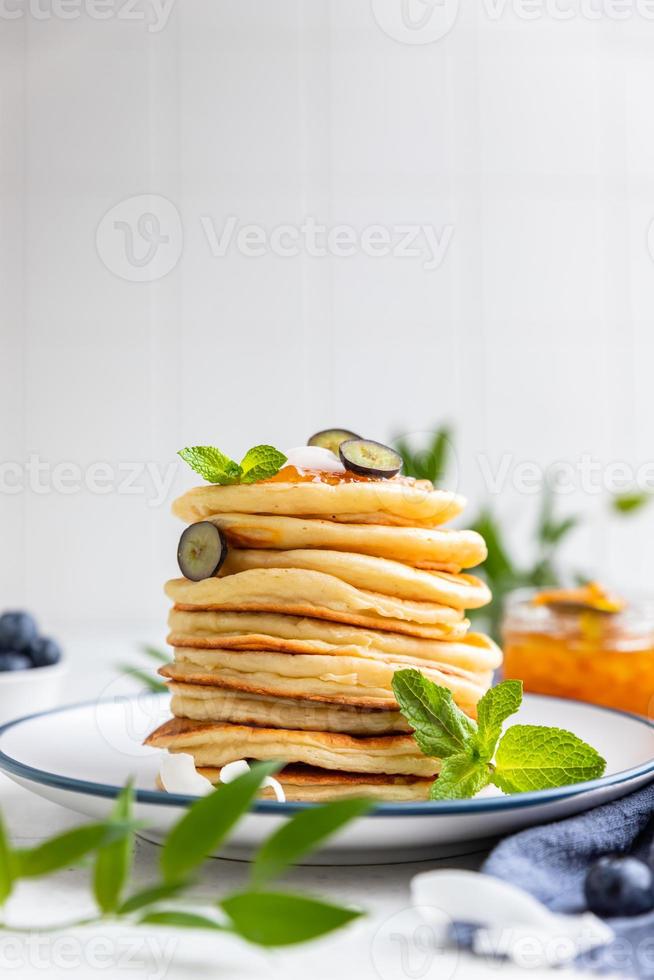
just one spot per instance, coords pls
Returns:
(155, 653)
(302, 834)
(151, 896)
(461, 777)
(630, 502)
(498, 564)
(260, 463)
(440, 727)
(212, 465)
(281, 919)
(66, 849)
(438, 455)
(208, 822)
(113, 862)
(531, 757)
(497, 704)
(426, 464)
(181, 920)
(144, 676)
(6, 865)
(558, 530)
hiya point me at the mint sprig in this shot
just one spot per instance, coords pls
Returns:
(259, 463)
(474, 754)
(254, 913)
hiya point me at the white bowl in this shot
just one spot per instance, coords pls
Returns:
(24, 692)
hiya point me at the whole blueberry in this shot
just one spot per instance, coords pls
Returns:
(619, 886)
(11, 660)
(17, 631)
(44, 651)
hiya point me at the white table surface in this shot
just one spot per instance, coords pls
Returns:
(386, 944)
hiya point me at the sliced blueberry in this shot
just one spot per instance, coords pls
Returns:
(619, 886)
(11, 660)
(44, 652)
(201, 551)
(369, 458)
(331, 439)
(17, 630)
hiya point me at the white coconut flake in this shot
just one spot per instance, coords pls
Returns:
(178, 774)
(235, 769)
(512, 922)
(314, 458)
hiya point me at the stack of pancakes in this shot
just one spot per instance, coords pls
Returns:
(330, 585)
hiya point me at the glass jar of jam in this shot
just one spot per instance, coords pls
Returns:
(582, 643)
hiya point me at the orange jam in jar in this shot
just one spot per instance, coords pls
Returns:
(584, 644)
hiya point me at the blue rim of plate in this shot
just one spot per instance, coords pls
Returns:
(428, 808)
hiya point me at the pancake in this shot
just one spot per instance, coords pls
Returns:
(448, 550)
(360, 681)
(307, 593)
(398, 500)
(373, 574)
(304, 784)
(214, 744)
(203, 703)
(293, 634)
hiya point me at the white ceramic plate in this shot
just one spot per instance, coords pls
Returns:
(80, 756)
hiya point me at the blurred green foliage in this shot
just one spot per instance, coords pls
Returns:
(501, 570)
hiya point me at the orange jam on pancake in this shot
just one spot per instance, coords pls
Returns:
(582, 643)
(290, 474)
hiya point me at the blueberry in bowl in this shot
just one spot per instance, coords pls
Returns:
(18, 631)
(31, 667)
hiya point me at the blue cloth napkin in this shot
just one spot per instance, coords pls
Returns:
(550, 862)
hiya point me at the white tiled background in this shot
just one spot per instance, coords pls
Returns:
(533, 139)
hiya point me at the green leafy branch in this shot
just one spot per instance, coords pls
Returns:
(475, 754)
(501, 570)
(256, 913)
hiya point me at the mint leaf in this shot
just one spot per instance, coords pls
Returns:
(440, 727)
(114, 861)
(280, 919)
(532, 757)
(212, 465)
(497, 704)
(461, 777)
(208, 822)
(261, 462)
(301, 834)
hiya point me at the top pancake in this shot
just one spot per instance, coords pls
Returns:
(397, 501)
